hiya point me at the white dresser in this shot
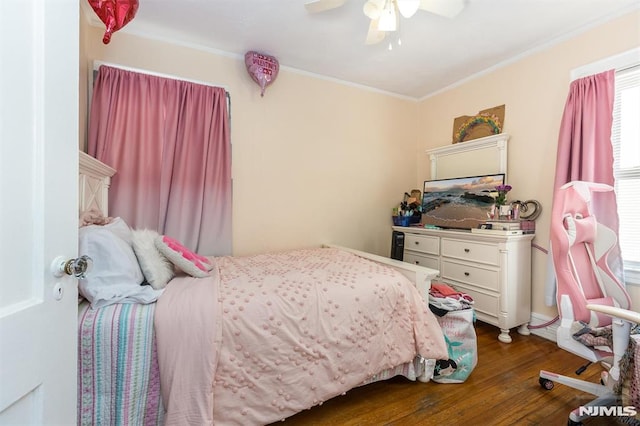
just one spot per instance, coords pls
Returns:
(493, 269)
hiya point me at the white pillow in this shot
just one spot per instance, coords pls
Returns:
(156, 268)
(116, 276)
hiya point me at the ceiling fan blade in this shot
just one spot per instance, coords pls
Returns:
(318, 6)
(446, 8)
(373, 35)
(373, 8)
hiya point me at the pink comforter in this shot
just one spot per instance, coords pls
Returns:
(270, 335)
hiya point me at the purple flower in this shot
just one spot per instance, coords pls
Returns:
(501, 199)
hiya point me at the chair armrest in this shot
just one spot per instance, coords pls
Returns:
(624, 314)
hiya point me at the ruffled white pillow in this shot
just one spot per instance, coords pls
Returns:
(157, 269)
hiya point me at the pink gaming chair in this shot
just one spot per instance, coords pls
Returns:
(580, 247)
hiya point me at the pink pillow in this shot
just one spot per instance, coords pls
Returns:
(188, 261)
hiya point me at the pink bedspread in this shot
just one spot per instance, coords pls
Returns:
(271, 335)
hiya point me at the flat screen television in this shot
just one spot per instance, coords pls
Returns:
(459, 203)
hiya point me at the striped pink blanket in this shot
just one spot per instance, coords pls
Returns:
(118, 377)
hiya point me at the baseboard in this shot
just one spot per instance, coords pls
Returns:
(548, 332)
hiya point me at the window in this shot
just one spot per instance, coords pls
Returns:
(625, 138)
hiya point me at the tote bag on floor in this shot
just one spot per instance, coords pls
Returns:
(460, 336)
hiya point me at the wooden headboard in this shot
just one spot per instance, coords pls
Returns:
(94, 181)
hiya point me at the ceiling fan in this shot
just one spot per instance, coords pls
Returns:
(384, 14)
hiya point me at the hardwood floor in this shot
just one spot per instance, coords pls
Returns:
(502, 390)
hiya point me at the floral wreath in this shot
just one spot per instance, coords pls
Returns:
(492, 120)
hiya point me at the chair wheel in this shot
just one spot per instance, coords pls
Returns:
(572, 423)
(546, 384)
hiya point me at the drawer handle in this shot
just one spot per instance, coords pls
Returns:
(467, 250)
(466, 274)
(416, 242)
(417, 262)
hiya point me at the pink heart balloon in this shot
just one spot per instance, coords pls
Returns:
(115, 14)
(263, 69)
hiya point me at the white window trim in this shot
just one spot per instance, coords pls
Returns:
(618, 62)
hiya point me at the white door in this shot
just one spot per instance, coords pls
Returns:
(38, 214)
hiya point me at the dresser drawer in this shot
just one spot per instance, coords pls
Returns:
(422, 260)
(422, 243)
(471, 251)
(478, 276)
(486, 305)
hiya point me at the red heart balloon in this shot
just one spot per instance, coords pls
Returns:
(263, 69)
(115, 14)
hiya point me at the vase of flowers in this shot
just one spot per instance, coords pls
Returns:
(504, 209)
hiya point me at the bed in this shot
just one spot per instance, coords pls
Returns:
(249, 340)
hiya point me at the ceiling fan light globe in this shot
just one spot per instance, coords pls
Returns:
(408, 8)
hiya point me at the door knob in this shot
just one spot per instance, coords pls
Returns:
(78, 268)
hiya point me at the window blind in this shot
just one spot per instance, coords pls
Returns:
(625, 138)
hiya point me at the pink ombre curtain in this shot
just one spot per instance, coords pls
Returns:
(169, 142)
(585, 151)
(584, 144)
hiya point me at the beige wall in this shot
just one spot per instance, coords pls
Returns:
(314, 161)
(534, 91)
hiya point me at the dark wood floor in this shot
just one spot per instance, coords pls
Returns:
(502, 390)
